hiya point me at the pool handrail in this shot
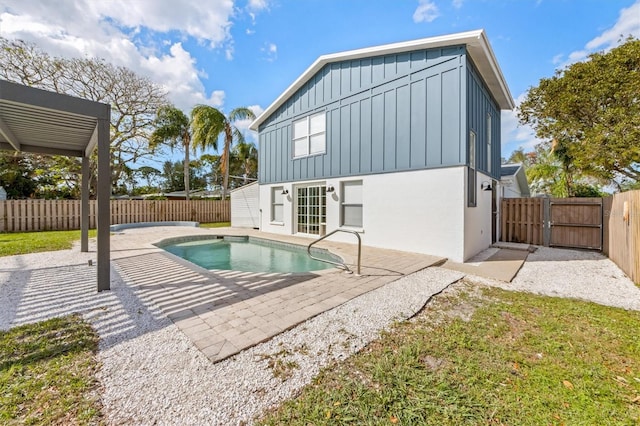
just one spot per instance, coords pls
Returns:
(340, 264)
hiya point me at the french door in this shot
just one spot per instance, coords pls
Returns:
(312, 209)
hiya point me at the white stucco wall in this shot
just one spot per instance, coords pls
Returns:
(421, 211)
(477, 220)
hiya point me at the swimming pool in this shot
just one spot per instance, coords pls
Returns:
(248, 254)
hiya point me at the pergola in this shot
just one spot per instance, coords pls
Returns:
(38, 121)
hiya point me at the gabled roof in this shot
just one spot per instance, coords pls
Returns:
(516, 171)
(477, 45)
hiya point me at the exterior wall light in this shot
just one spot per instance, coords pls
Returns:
(485, 186)
(285, 191)
(330, 188)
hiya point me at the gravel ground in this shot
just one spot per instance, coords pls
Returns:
(152, 373)
(578, 274)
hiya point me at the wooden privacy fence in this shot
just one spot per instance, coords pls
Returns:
(610, 224)
(521, 220)
(57, 215)
(558, 222)
(622, 232)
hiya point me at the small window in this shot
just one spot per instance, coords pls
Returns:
(277, 204)
(471, 176)
(352, 204)
(309, 135)
(489, 144)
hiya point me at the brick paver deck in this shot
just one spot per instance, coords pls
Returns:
(224, 312)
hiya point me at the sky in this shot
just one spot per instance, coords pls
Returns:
(232, 53)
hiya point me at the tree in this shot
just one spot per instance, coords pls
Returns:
(149, 173)
(213, 162)
(173, 129)
(134, 99)
(173, 173)
(208, 123)
(247, 154)
(591, 111)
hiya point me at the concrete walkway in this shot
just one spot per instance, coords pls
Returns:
(496, 263)
(224, 312)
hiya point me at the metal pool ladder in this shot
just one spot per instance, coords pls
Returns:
(340, 264)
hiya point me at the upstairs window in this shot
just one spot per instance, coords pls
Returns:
(309, 135)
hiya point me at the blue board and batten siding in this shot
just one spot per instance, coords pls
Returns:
(383, 114)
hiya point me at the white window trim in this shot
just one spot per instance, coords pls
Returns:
(307, 137)
(359, 229)
(472, 182)
(489, 141)
(272, 219)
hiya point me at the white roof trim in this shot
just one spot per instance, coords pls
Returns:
(477, 46)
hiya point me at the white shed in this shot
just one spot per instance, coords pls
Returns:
(245, 206)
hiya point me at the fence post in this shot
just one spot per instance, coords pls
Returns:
(546, 222)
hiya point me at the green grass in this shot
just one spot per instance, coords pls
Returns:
(485, 356)
(35, 242)
(215, 225)
(47, 373)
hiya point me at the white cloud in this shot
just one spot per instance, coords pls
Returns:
(426, 11)
(628, 24)
(243, 125)
(125, 32)
(257, 5)
(457, 3)
(271, 51)
(514, 135)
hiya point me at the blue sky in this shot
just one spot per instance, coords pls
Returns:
(230, 53)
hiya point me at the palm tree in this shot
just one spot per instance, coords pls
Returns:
(208, 123)
(247, 153)
(173, 129)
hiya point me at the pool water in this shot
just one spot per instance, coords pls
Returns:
(248, 256)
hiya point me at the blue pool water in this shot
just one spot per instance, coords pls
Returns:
(248, 256)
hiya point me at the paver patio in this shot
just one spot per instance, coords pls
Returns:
(224, 312)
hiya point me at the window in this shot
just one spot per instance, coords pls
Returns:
(309, 135)
(277, 201)
(352, 204)
(489, 144)
(471, 177)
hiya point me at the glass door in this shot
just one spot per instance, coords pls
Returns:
(312, 209)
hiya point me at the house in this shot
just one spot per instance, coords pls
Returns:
(513, 181)
(399, 142)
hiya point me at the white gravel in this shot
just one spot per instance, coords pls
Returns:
(152, 373)
(578, 274)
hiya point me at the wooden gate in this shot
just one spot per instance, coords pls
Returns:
(557, 222)
(575, 222)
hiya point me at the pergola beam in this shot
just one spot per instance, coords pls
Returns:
(6, 132)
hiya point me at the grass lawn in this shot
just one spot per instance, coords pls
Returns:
(481, 355)
(215, 225)
(33, 242)
(47, 373)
